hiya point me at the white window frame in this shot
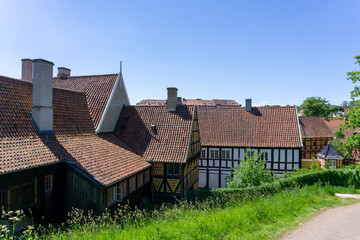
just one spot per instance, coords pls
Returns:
(225, 152)
(203, 150)
(214, 153)
(332, 166)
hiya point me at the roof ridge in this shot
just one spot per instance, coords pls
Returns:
(94, 75)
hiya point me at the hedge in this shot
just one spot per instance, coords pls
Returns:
(345, 178)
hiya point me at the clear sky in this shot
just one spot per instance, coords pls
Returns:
(275, 52)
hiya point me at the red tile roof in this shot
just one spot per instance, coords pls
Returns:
(170, 137)
(198, 102)
(314, 127)
(104, 157)
(97, 88)
(334, 125)
(262, 127)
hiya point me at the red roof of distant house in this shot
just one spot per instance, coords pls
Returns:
(262, 127)
(314, 127)
(334, 125)
(97, 88)
(155, 133)
(198, 102)
(104, 157)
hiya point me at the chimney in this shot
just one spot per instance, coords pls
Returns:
(172, 99)
(26, 69)
(63, 72)
(248, 105)
(42, 111)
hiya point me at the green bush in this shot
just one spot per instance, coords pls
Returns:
(342, 178)
(250, 172)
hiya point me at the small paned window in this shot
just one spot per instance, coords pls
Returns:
(147, 176)
(214, 154)
(140, 180)
(119, 192)
(124, 186)
(225, 154)
(49, 182)
(173, 169)
(132, 181)
(203, 153)
(264, 156)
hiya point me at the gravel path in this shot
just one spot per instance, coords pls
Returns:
(337, 223)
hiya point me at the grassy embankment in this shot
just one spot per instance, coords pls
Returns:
(267, 217)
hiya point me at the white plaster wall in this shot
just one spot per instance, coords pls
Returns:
(118, 98)
(289, 155)
(213, 180)
(236, 153)
(202, 178)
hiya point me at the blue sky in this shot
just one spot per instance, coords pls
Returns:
(275, 52)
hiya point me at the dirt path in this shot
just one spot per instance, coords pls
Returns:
(337, 223)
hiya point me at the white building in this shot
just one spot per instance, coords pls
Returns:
(226, 133)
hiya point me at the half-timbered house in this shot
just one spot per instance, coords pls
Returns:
(226, 134)
(57, 149)
(167, 137)
(315, 135)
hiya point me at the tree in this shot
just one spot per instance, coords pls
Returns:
(250, 173)
(352, 143)
(316, 106)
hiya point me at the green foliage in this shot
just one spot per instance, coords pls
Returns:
(250, 173)
(262, 217)
(301, 171)
(353, 116)
(338, 145)
(344, 178)
(315, 106)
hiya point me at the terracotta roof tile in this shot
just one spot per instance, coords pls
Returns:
(198, 102)
(97, 88)
(262, 127)
(334, 125)
(168, 142)
(104, 157)
(314, 127)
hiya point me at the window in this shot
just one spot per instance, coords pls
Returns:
(49, 182)
(252, 153)
(332, 163)
(140, 180)
(147, 176)
(214, 154)
(116, 193)
(173, 169)
(225, 154)
(203, 153)
(264, 156)
(132, 184)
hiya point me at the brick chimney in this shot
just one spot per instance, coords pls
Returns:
(26, 69)
(42, 110)
(172, 100)
(63, 72)
(248, 106)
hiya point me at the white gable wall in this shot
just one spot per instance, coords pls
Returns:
(118, 98)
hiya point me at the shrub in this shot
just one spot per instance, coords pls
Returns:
(250, 173)
(343, 178)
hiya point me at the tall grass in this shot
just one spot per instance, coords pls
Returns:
(267, 217)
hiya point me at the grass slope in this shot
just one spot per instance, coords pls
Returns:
(268, 217)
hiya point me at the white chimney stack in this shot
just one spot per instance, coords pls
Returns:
(63, 72)
(248, 106)
(26, 69)
(42, 110)
(172, 100)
